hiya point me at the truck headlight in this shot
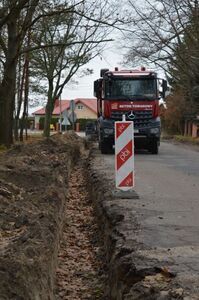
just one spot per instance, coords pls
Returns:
(108, 130)
(155, 130)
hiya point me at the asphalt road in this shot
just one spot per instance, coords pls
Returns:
(168, 208)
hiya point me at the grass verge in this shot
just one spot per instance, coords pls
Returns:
(186, 139)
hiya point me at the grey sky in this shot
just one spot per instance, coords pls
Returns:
(110, 58)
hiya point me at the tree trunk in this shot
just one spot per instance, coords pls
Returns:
(49, 110)
(19, 100)
(26, 92)
(7, 88)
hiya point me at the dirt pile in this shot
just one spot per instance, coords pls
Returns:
(33, 189)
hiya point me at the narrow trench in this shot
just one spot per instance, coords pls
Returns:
(81, 272)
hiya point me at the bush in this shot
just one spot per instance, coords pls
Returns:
(173, 116)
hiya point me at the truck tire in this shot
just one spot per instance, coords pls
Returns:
(154, 147)
(105, 148)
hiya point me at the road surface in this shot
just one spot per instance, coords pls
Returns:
(168, 208)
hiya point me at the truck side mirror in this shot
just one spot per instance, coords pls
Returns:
(103, 71)
(163, 85)
(97, 88)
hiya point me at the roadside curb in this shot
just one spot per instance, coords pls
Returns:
(111, 219)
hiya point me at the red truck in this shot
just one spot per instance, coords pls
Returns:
(135, 94)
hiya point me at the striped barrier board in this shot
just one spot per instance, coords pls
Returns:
(124, 155)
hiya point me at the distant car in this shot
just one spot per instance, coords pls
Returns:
(91, 129)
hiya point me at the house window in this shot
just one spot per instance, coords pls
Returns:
(80, 106)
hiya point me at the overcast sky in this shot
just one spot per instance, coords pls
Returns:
(109, 59)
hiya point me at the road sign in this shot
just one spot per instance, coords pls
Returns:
(72, 105)
(124, 155)
(72, 117)
(65, 121)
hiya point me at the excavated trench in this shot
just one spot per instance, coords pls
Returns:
(81, 272)
(93, 260)
(45, 197)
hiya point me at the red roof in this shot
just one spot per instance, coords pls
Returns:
(65, 104)
(89, 102)
(41, 111)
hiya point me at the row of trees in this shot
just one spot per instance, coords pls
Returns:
(43, 43)
(166, 34)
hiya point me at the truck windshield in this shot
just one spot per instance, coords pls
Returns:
(140, 89)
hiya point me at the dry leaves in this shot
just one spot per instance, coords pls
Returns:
(80, 273)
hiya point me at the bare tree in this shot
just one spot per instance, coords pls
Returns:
(159, 26)
(166, 35)
(19, 95)
(17, 16)
(78, 39)
(11, 39)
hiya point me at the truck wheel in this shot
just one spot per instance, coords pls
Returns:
(105, 148)
(154, 148)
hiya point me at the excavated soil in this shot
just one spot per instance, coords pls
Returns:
(50, 245)
(81, 273)
(36, 203)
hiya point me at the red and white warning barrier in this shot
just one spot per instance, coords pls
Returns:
(124, 155)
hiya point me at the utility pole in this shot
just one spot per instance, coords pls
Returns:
(60, 115)
(72, 115)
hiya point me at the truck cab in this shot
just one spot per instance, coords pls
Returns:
(135, 94)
